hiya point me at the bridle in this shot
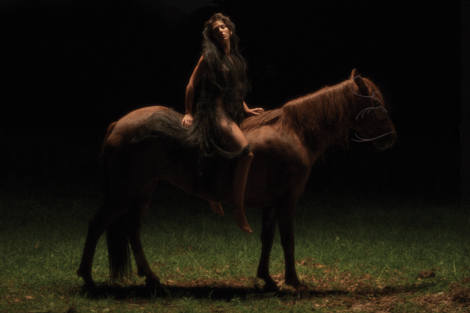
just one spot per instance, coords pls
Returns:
(367, 110)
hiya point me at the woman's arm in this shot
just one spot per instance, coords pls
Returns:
(196, 77)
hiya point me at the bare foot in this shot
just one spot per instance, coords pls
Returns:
(241, 221)
(217, 208)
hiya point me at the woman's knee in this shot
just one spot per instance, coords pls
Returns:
(224, 124)
(238, 137)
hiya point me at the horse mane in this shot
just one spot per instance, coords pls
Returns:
(323, 114)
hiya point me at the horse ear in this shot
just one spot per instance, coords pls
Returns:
(359, 81)
(354, 73)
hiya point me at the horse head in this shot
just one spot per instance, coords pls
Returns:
(369, 117)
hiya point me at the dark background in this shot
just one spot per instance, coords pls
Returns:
(70, 68)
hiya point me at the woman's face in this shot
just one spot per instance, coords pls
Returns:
(220, 31)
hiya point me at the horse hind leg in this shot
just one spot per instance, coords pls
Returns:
(96, 227)
(267, 237)
(137, 210)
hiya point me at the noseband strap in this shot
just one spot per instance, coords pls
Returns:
(359, 139)
(367, 110)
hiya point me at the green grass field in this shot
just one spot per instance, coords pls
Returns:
(355, 253)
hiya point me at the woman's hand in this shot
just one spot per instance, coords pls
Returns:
(255, 111)
(187, 121)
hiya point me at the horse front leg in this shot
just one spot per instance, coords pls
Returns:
(267, 237)
(136, 211)
(285, 216)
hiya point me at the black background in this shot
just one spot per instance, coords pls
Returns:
(70, 68)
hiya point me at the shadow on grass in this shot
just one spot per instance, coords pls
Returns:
(227, 293)
(224, 293)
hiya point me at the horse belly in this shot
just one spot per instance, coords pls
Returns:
(267, 183)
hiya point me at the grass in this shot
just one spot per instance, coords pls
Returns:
(355, 253)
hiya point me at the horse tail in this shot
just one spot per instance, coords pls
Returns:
(163, 124)
(117, 235)
(117, 239)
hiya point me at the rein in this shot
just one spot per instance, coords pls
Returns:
(364, 139)
(367, 110)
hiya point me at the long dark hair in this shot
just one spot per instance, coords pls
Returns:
(227, 77)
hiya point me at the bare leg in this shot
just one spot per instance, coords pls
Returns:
(217, 208)
(239, 184)
(236, 141)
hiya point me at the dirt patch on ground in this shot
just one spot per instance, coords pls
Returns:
(459, 293)
(354, 296)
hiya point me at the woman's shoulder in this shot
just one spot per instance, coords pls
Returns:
(202, 59)
(202, 63)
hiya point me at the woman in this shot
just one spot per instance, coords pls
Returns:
(221, 107)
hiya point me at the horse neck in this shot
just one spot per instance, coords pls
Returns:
(320, 119)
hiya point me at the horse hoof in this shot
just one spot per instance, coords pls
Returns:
(89, 283)
(90, 287)
(304, 294)
(153, 283)
(268, 288)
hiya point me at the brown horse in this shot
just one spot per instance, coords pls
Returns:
(141, 148)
